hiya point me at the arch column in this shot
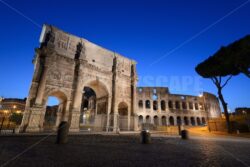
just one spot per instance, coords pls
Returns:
(187, 104)
(108, 112)
(75, 112)
(159, 105)
(173, 103)
(115, 129)
(129, 114)
(194, 106)
(41, 88)
(144, 105)
(180, 105)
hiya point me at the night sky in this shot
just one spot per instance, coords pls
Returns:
(166, 38)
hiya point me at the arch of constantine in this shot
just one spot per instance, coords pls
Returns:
(97, 90)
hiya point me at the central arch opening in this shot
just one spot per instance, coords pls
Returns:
(88, 107)
(94, 107)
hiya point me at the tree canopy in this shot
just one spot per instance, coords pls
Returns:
(230, 60)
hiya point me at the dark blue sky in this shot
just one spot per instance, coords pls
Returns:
(141, 30)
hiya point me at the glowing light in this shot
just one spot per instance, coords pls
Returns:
(14, 106)
(18, 111)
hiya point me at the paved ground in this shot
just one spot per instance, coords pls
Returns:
(113, 150)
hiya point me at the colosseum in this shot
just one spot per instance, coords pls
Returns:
(97, 90)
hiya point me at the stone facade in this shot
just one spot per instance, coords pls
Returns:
(73, 69)
(157, 106)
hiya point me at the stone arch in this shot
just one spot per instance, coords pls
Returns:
(190, 105)
(99, 115)
(177, 104)
(123, 109)
(192, 121)
(148, 119)
(170, 104)
(156, 120)
(98, 86)
(58, 93)
(203, 120)
(155, 105)
(186, 122)
(163, 120)
(184, 105)
(88, 108)
(140, 104)
(57, 111)
(123, 116)
(163, 105)
(178, 120)
(171, 120)
(198, 120)
(147, 104)
(140, 119)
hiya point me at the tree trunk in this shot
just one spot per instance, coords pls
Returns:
(224, 105)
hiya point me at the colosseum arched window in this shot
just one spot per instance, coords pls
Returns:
(140, 119)
(192, 121)
(170, 104)
(190, 105)
(147, 104)
(155, 105)
(177, 105)
(163, 105)
(140, 104)
(156, 120)
(198, 121)
(171, 120)
(186, 122)
(178, 119)
(163, 120)
(148, 120)
(203, 120)
(184, 105)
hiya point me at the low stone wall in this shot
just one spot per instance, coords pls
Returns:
(217, 125)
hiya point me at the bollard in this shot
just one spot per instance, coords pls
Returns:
(145, 137)
(62, 133)
(184, 134)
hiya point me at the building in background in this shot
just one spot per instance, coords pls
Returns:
(242, 111)
(157, 106)
(12, 105)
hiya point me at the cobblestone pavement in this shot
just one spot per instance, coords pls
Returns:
(123, 151)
